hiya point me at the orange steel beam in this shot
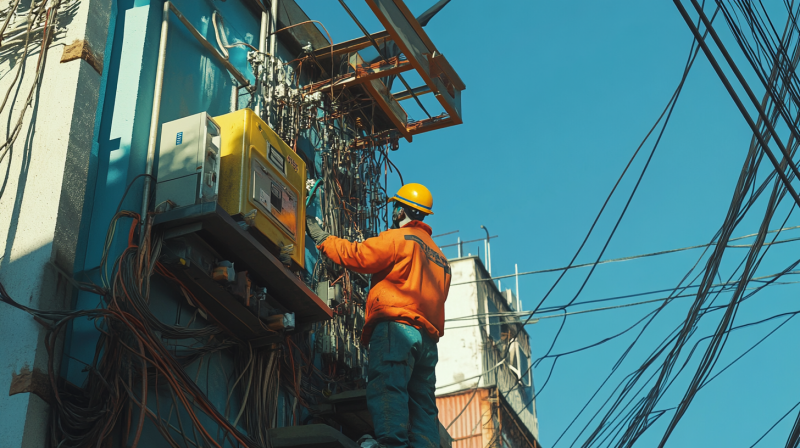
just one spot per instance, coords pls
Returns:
(405, 94)
(381, 95)
(352, 45)
(389, 105)
(382, 69)
(430, 124)
(421, 53)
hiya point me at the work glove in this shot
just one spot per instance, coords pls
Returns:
(285, 256)
(315, 231)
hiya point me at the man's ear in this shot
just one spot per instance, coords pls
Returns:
(401, 214)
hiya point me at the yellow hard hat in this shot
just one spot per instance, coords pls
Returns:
(415, 196)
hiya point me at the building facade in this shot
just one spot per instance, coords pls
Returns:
(484, 385)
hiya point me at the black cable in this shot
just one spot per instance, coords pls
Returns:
(668, 111)
(775, 424)
(750, 202)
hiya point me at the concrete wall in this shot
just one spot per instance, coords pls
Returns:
(461, 350)
(41, 199)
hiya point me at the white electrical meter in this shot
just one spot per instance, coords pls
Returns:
(188, 162)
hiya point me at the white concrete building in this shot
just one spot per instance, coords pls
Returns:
(481, 327)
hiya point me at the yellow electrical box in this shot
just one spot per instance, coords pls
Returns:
(263, 180)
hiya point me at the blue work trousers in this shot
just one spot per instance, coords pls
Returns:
(402, 385)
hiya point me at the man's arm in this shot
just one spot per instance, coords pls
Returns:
(371, 256)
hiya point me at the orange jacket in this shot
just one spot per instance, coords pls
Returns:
(410, 276)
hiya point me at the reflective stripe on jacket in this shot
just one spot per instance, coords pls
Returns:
(410, 276)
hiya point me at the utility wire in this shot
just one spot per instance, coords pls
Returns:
(749, 202)
(669, 107)
(724, 285)
(636, 257)
(775, 424)
(666, 112)
(750, 165)
(640, 422)
(607, 308)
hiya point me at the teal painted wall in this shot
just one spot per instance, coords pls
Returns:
(194, 82)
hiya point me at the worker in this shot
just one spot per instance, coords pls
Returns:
(404, 317)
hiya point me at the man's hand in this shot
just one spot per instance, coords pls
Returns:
(285, 255)
(315, 231)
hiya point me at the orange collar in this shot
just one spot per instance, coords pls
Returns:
(420, 225)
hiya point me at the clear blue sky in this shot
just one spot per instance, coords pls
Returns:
(559, 95)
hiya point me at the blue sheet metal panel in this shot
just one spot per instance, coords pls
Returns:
(125, 120)
(194, 81)
(114, 140)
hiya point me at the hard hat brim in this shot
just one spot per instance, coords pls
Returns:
(411, 204)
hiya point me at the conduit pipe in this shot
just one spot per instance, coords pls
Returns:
(262, 43)
(488, 250)
(154, 115)
(273, 44)
(151, 141)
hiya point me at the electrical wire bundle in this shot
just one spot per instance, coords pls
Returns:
(348, 191)
(352, 206)
(135, 353)
(628, 413)
(259, 382)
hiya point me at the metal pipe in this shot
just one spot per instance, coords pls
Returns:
(489, 255)
(459, 247)
(262, 43)
(516, 278)
(205, 43)
(488, 250)
(737, 101)
(273, 57)
(234, 98)
(151, 142)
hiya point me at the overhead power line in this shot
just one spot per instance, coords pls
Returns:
(592, 310)
(635, 257)
(627, 296)
(465, 242)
